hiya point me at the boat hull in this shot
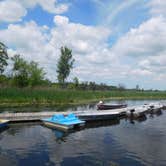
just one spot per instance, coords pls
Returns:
(108, 107)
(99, 117)
(3, 123)
(57, 126)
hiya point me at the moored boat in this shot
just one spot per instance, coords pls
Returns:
(3, 123)
(99, 116)
(62, 122)
(112, 106)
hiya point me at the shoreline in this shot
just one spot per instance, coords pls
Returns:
(11, 103)
(16, 97)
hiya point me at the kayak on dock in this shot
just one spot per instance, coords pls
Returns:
(3, 123)
(102, 106)
(62, 122)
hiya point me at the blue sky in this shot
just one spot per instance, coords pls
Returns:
(113, 41)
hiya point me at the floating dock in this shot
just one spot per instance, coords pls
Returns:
(28, 116)
(94, 115)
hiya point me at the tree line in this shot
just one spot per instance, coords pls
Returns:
(29, 74)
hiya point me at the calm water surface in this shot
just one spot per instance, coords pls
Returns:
(118, 143)
(87, 107)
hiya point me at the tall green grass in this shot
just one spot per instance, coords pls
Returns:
(51, 96)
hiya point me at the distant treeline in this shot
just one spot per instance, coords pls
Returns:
(92, 86)
(8, 81)
(25, 73)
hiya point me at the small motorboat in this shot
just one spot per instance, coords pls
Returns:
(102, 106)
(62, 122)
(3, 123)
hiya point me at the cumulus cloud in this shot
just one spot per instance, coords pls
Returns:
(88, 43)
(14, 10)
(147, 40)
(143, 49)
(157, 7)
(29, 36)
(30, 41)
(51, 6)
(141, 72)
(81, 38)
(11, 11)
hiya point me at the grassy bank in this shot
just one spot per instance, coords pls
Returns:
(50, 96)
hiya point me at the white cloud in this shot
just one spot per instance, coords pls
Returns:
(11, 11)
(82, 39)
(14, 10)
(88, 43)
(61, 20)
(30, 41)
(141, 72)
(28, 36)
(51, 6)
(157, 64)
(157, 7)
(147, 40)
(143, 50)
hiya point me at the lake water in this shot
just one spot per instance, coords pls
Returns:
(116, 143)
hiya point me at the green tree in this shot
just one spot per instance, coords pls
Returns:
(26, 74)
(3, 57)
(137, 87)
(84, 85)
(36, 74)
(121, 87)
(65, 64)
(20, 71)
(76, 82)
(92, 86)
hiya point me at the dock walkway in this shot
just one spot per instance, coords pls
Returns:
(28, 116)
(85, 115)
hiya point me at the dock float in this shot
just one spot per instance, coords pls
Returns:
(93, 115)
(29, 116)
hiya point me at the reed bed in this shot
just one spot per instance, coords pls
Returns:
(51, 96)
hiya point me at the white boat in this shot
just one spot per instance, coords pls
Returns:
(3, 123)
